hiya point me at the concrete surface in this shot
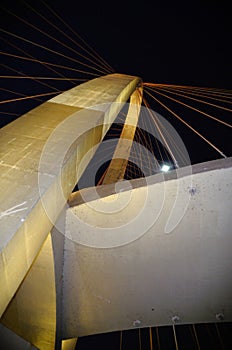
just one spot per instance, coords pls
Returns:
(121, 266)
(40, 154)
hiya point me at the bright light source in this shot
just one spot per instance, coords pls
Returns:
(165, 168)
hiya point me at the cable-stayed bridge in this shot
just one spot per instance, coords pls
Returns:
(105, 224)
(144, 253)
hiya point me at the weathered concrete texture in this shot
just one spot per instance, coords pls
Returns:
(32, 312)
(154, 276)
(40, 164)
(90, 194)
(24, 221)
(98, 91)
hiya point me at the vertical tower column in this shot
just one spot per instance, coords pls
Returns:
(118, 164)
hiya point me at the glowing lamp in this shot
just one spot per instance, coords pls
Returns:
(165, 168)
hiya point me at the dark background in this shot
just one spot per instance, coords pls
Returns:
(164, 41)
(172, 42)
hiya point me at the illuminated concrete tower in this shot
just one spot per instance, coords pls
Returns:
(94, 266)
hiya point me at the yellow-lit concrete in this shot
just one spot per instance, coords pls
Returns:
(69, 344)
(118, 164)
(25, 223)
(40, 157)
(124, 266)
(32, 311)
(110, 262)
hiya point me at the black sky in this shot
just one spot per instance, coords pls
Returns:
(161, 41)
(164, 41)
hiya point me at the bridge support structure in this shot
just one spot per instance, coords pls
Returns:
(106, 263)
(40, 165)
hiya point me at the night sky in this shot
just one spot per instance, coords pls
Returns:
(164, 41)
(161, 41)
(183, 43)
(171, 42)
